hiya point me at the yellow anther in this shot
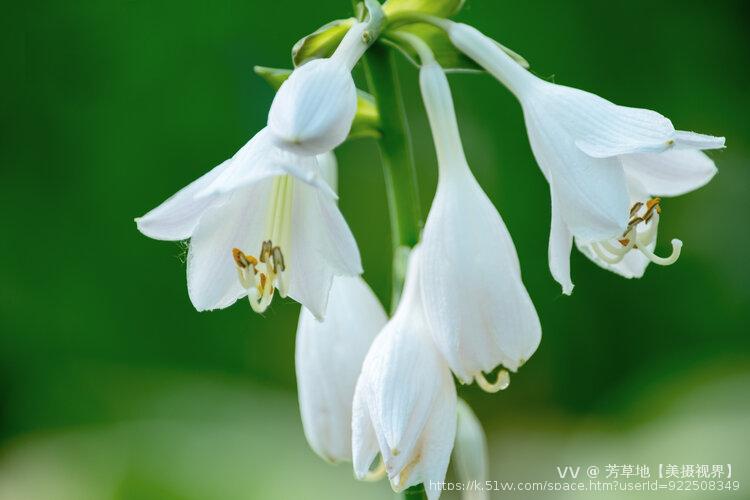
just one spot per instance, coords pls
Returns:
(267, 271)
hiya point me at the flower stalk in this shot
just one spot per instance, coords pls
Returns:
(398, 160)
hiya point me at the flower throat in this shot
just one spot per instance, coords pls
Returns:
(261, 275)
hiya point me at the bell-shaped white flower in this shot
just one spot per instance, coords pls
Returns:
(587, 147)
(262, 221)
(313, 110)
(479, 311)
(470, 454)
(329, 357)
(405, 400)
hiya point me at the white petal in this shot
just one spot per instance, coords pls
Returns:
(314, 108)
(176, 218)
(478, 309)
(602, 129)
(671, 173)
(560, 244)
(364, 441)
(470, 454)
(328, 358)
(321, 246)
(436, 444)
(328, 167)
(239, 222)
(591, 193)
(259, 159)
(691, 140)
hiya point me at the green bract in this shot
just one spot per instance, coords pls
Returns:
(442, 8)
(366, 122)
(321, 42)
(450, 58)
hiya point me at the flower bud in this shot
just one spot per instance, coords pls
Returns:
(470, 455)
(314, 108)
(328, 359)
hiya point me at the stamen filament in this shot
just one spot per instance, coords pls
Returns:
(606, 258)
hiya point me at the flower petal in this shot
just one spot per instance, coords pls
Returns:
(238, 222)
(591, 193)
(328, 167)
(478, 309)
(436, 444)
(560, 244)
(322, 246)
(176, 218)
(328, 357)
(599, 128)
(671, 173)
(692, 140)
(364, 441)
(259, 159)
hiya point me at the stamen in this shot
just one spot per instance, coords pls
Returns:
(634, 209)
(261, 276)
(606, 258)
(502, 382)
(627, 244)
(633, 240)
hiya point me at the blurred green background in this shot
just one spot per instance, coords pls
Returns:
(113, 386)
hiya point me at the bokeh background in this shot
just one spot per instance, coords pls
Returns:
(113, 387)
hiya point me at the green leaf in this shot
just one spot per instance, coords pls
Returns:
(448, 56)
(367, 120)
(321, 42)
(440, 8)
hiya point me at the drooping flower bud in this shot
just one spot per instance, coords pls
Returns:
(313, 110)
(470, 455)
(405, 400)
(329, 357)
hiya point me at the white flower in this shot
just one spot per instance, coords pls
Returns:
(587, 148)
(313, 110)
(405, 400)
(329, 357)
(254, 227)
(479, 311)
(470, 455)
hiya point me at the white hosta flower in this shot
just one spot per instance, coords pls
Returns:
(470, 455)
(329, 357)
(254, 228)
(313, 110)
(587, 147)
(405, 400)
(479, 311)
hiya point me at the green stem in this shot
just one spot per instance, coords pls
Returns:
(397, 158)
(415, 493)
